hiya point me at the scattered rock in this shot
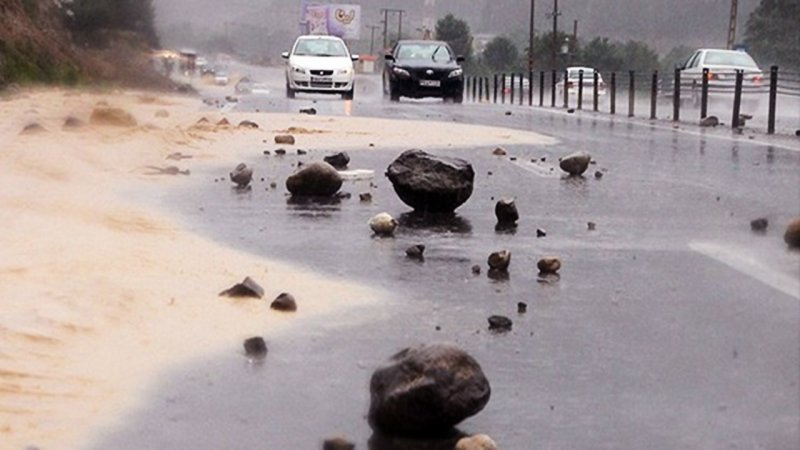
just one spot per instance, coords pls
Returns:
(506, 211)
(103, 115)
(500, 260)
(242, 175)
(33, 128)
(540, 233)
(416, 252)
(267, 153)
(318, 179)
(273, 185)
(338, 443)
(426, 390)
(247, 288)
(284, 302)
(797, 133)
(792, 234)
(231, 99)
(575, 164)
(223, 123)
(338, 160)
(512, 158)
(280, 152)
(571, 111)
(508, 113)
(598, 174)
(301, 152)
(477, 442)
(500, 324)
(309, 111)
(343, 195)
(549, 265)
(284, 139)
(71, 123)
(709, 121)
(522, 308)
(365, 197)
(255, 347)
(178, 156)
(162, 113)
(759, 225)
(202, 121)
(430, 183)
(591, 226)
(476, 269)
(499, 151)
(383, 224)
(248, 124)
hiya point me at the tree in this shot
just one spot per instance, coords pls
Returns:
(501, 54)
(677, 56)
(639, 57)
(456, 33)
(88, 17)
(602, 54)
(773, 35)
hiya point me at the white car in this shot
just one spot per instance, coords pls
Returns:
(722, 66)
(320, 64)
(573, 80)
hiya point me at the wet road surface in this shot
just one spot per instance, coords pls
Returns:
(672, 325)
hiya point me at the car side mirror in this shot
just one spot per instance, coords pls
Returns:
(389, 57)
(460, 59)
(354, 57)
(285, 55)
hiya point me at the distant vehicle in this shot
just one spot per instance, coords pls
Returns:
(722, 66)
(221, 78)
(573, 81)
(320, 64)
(420, 69)
(525, 83)
(247, 86)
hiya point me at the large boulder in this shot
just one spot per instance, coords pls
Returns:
(792, 234)
(426, 391)
(319, 179)
(576, 163)
(430, 183)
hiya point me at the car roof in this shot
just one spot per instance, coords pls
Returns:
(422, 41)
(577, 68)
(319, 37)
(720, 50)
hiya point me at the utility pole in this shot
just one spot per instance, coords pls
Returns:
(386, 12)
(372, 29)
(732, 24)
(574, 36)
(556, 13)
(400, 25)
(530, 38)
(385, 25)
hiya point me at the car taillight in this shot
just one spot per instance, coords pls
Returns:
(569, 84)
(757, 80)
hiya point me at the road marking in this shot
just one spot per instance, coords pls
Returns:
(741, 262)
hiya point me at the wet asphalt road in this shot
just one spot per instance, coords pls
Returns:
(672, 325)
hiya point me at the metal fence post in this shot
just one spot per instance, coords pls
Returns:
(530, 88)
(704, 94)
(737, 98)
(566, 89)
(503, 88)
(613, 100)
(580, 89)
(480, 90)
(541, 88)
(511, 88)
(631, 92)
(522, 88)
(488, 96)
(653, 95)
(676, 96)
(595, 95)
(773, 97)
(553, 91)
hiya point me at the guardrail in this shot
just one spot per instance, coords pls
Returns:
(681, 88)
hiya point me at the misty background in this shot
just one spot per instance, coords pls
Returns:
(260, 29)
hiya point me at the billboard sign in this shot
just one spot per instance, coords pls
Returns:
(340, 20)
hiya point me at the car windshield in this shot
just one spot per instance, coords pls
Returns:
(320, 47)
(575, 73)
(738, 59)
(425, 52)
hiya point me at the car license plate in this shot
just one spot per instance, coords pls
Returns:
(430, 83)
(321, 80)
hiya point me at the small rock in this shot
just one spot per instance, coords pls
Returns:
(575, 164)
(242, 175)
(416, 252)
(383, 224)
(231, 99)
(512, 158)
(72, 123)
(273, 185)
(792, 234)
(499, 260)
(267, 153)
(284, 302)
(104, 115)
(248, 124)
(280, 152)
(710, 121)
(522, 308)
(500, 324)
(247, 288)
(476, 269)
(301, 152)
(797, 133)
(499, 151)
(506, 211)
(255, 347)
(571, 111)
(33, 128)
(309, 111)
(540, 233)
(284, 139)
(759, 225)
(543, 159)
(549, 265)
(338, 160)
(162, 113)
(598, 174)
(477, 442)
(223, 123)
(344, 195)
(338, 443)
(365, 197)
(591, 226)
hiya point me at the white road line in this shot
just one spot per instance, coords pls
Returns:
(741, 262)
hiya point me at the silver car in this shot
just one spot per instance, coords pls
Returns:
(722, 66)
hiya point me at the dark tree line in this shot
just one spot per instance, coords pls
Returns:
(88, 18)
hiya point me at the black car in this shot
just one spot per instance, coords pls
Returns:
(420, 69)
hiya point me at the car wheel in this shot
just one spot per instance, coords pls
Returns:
(458, 99)
(289, 91)
(394, 93)
(349, 94)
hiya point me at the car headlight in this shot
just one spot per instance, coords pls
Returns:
(343, 71)
(456, 73)
(401, 72)
(299, 70)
